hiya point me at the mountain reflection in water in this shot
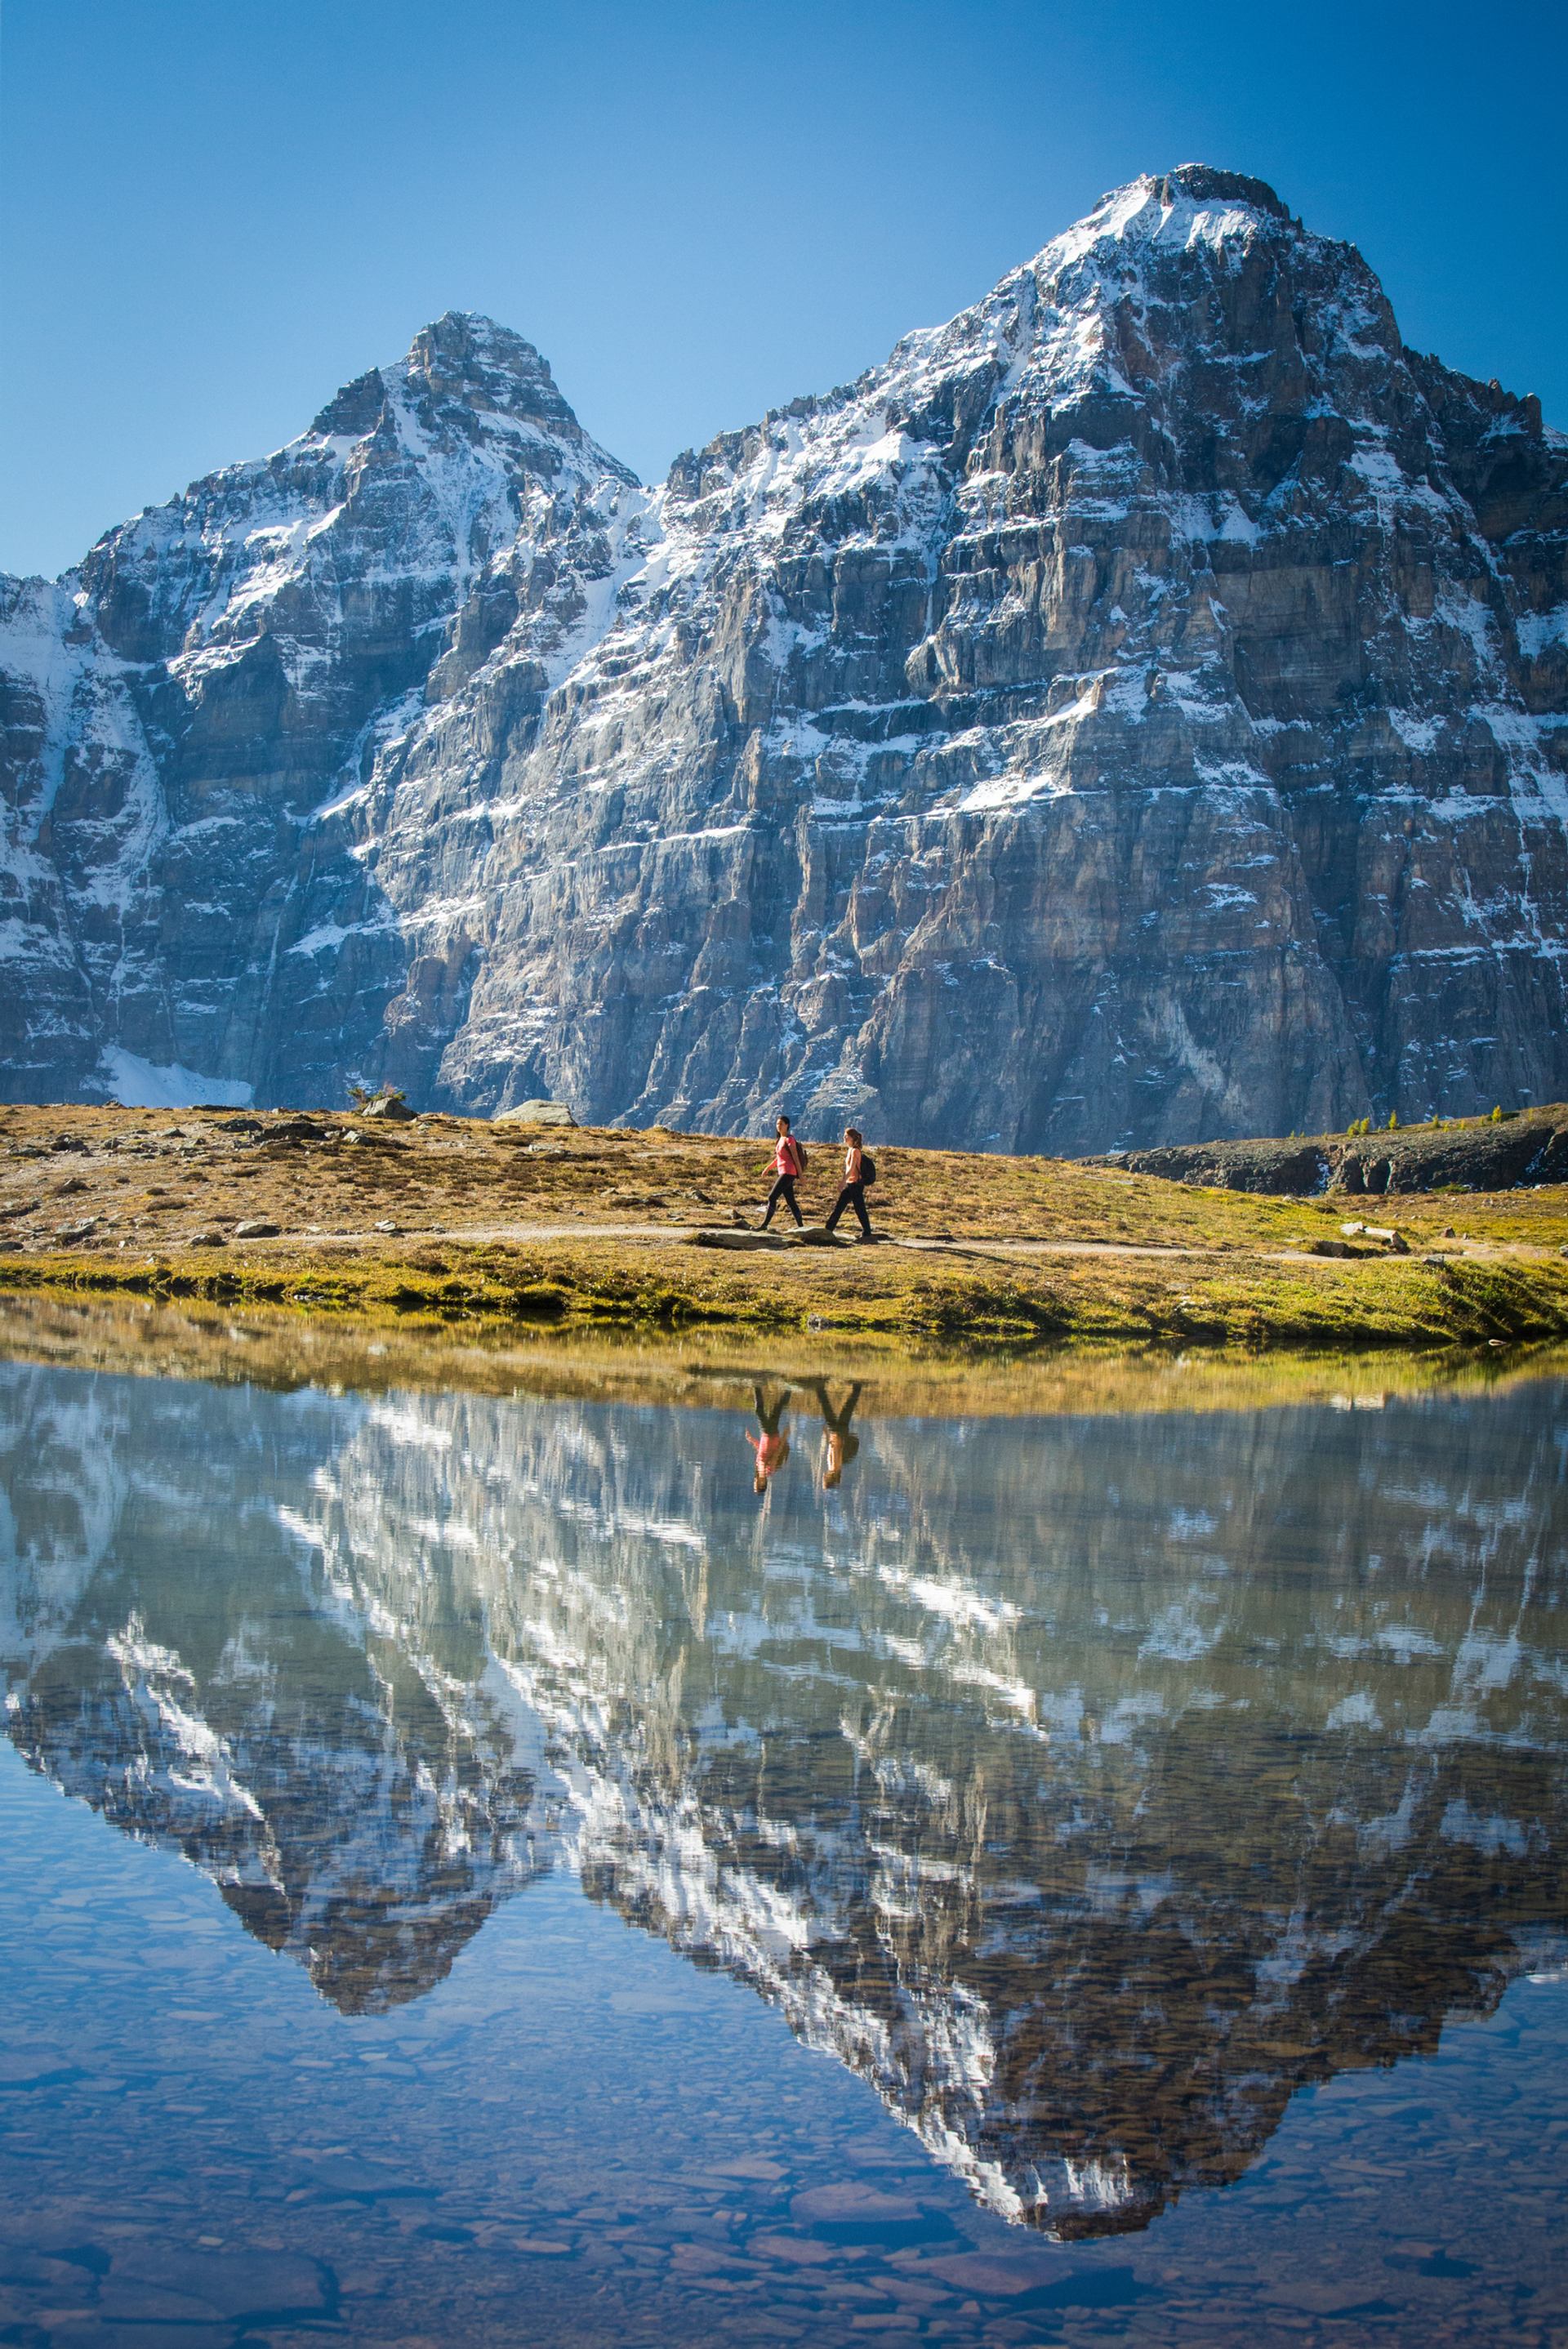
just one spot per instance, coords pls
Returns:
(1088, 1785)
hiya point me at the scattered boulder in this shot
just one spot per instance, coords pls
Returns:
(390, 1106)
(289, 1130)
(741, 1241)
(536, 1112)
(1381, 1235)
(255, 1227)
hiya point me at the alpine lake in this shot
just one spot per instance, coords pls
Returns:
(671, 1848)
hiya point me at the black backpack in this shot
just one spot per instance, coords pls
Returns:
(868, 1167)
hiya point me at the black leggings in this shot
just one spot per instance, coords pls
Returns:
(853, 1194)
(783, 1189)
(769, 1419)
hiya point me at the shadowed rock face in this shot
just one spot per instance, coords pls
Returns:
(1134, 713)
(1089, 1787)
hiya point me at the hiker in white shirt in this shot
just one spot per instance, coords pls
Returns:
(852, 1190)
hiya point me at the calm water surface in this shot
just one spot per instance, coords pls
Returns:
(472, 1871)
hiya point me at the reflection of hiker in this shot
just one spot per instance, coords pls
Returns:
(788, 1161)
(839, 1446)
(858, 1170)
(772, 1446)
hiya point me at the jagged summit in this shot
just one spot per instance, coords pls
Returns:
(1194, 205)
(466, 374)
(465, 358)
(1203, 183)
(1047, 307)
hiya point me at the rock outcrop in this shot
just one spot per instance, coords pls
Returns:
(1135, 713)
(1510, 1155)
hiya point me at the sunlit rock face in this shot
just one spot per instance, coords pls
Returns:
(1087, 1786)
(1134, 713)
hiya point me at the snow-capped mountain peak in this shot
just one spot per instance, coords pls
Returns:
(1136, 709)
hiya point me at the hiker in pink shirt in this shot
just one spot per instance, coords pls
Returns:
(789, 1163)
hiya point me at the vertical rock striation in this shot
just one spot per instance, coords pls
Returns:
(1134, 713)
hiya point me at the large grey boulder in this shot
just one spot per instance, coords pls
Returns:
(536, 1112)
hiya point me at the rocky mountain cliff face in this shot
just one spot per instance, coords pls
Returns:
(1086, 1786)
(1136, 712)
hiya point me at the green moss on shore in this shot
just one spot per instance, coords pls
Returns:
(285, 1348)
(964, 1298)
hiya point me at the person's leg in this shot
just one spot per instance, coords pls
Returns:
(839, 1421)
(781, 1190)
(791, 1202)
(837, 1209)
(858, 1194)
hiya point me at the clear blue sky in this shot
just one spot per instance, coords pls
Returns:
(217, 211)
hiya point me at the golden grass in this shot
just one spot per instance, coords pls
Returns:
(498, 1223)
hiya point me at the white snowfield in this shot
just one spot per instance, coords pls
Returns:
(1137, 709)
